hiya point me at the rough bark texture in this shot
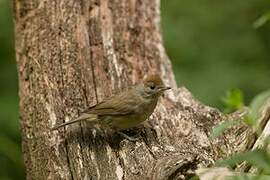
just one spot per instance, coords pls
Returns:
(74, 53)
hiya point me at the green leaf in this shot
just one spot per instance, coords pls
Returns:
(233, 100)
(239, 177)
(258, 158)
(246, 176)
(249, 121)
(195, 177)
(262, 20)
(257, 103)
(255, 110)
(219, 129)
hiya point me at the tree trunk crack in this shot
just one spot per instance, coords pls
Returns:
(81, 146)
(121, 163)
(149, 149)
(93, 76)
(68, 160)
(60, 41)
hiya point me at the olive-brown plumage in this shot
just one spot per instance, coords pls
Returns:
(127, 109)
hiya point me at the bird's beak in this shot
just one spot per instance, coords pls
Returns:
(164, 88)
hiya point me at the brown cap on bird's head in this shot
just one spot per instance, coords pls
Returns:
(154, 85)
(154, 81)
(153, 78)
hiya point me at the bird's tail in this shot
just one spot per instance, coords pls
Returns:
(88, 117)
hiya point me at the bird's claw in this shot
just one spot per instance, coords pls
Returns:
(128, 137)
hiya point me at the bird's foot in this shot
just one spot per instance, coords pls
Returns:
(134, 138)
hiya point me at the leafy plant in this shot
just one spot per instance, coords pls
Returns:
(258, 158)
(218, 130)
(233, 100)
(262, 20)
(255, 108)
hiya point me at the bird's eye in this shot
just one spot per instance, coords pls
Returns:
(152, 86)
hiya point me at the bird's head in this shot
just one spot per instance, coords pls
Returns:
(153, 86)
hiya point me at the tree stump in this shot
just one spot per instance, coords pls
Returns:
(74, 53)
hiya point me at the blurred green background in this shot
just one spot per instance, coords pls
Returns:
(213, 45)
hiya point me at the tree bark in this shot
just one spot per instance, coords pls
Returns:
(72, 54)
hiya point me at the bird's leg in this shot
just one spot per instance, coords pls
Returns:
(127, 137)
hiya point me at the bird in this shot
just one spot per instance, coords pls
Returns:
(127, 109)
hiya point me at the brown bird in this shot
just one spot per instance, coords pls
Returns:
(127, 109)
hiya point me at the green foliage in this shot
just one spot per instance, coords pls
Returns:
(250, 177)
(255, 110)
(214, 47)
(233, 100)
(11, 166)
(195, 177)
(11, 150)
(257, 103)
(262, 20)
(259, 158)
(218, 130)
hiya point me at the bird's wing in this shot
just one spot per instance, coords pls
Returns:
(122, 104)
